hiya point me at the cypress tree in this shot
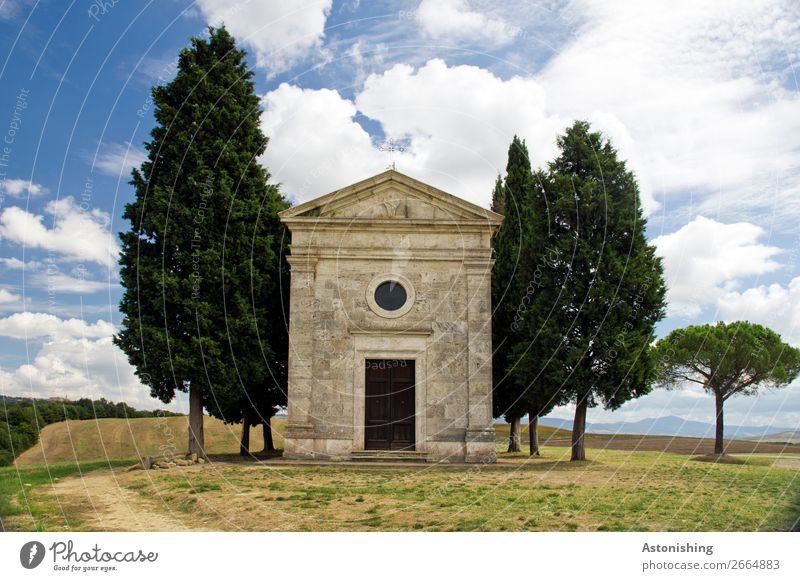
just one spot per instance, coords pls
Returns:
(537, 332)
(199, 265)
(612, 292)
(510, 197)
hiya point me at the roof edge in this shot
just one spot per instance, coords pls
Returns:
(387, 176)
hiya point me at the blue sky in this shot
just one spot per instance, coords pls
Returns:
(700, 97)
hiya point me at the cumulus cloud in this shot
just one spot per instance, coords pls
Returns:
(76, 235)
(75, 368)
(694, 97)
(19, 188)
(280, 32)
(775, 306)
(44, 325)
(457, 134)
(705, 259)
(315, 144)
(695, 94)
(76, 359)
(456, 21)
(117, 159)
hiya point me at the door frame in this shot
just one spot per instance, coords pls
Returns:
(390, 396)
(410, 346)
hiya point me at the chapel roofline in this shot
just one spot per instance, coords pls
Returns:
(476, 213)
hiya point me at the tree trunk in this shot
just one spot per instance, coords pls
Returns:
(533, 433)
(514, 437)
(579, 431)
(269, 445)
(196, 440)
(244, 446)
(718, 445)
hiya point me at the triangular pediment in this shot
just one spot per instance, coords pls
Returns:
(391, 196)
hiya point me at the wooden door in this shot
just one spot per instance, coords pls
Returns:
(389, 417)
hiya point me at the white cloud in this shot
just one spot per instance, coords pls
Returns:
(75, 368)
(19, 188)
(117, 159)
(690, 92)
(11, 8)
(55, 281)
(456, 21)
(17, 264)
(458, 136)
(281, 32)
(77, 235)
(692, 95)
(77, 359)
(705, 259)
(460, 121)
(8, 298)
(775, 306)
(32, 326)
(315, 145)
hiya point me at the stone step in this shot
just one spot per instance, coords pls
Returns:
(388, 456)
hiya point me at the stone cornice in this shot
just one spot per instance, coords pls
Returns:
(304, 223)
(313, 253)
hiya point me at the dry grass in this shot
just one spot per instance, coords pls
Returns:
(119, 439)
(615, 490)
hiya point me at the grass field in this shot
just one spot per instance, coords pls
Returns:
(614, 490)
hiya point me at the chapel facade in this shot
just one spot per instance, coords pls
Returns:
(390, 324)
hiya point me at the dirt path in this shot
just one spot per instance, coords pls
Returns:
(102, 503)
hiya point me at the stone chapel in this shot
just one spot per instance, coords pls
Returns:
(390, 337)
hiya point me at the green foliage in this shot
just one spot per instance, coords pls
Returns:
(511, 195)
(201, 264)
(727, 358)
(577, 290)
(535, 326)
(612, 288)
(21, 420)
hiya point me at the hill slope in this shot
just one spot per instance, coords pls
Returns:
(120, 439)
(788, 437)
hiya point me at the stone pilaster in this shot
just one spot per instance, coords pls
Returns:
(480, 435)
(299, 432)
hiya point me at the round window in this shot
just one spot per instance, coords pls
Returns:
(390, 295)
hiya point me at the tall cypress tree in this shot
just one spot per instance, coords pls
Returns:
(199, 263)
(510, 196)
(537, 331)
(613, 290)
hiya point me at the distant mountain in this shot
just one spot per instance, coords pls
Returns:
(671, 426)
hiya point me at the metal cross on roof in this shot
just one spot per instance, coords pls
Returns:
(390, 147)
